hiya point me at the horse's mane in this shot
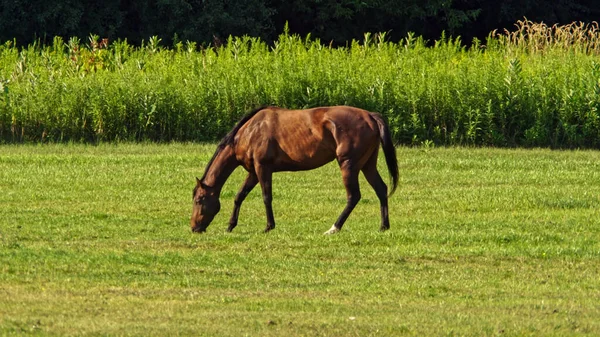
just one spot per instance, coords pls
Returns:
(230, 136)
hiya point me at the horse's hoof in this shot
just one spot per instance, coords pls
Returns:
(332, 230)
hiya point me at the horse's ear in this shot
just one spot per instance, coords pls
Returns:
(201, 184)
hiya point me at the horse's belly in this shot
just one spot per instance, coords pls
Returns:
(299, 159)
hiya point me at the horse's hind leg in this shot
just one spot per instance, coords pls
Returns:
(374, 179)
(247, 186)
(350, 178)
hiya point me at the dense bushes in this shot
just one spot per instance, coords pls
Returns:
(538, 86)
(336, 21)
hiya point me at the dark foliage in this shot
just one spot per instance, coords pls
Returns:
(335, 21)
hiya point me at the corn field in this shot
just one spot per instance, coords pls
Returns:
(533, 86)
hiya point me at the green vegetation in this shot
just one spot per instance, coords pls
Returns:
(95, 240)
(538, 86)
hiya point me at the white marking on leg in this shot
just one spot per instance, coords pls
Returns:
(332, 230)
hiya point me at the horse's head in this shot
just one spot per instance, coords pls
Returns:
(206, 206)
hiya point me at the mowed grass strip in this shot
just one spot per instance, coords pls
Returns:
(95, 240)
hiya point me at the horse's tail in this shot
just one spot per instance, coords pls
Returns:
(388, 150)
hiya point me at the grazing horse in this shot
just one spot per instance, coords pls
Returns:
(272, 139)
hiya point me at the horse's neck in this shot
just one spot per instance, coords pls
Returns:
(221, 168)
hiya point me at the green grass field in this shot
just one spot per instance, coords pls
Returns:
(95, 240)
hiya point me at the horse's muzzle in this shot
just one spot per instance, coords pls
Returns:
(199, 229)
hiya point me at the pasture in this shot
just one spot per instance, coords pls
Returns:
(95, 240)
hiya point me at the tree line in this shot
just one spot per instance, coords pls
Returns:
(332, 21)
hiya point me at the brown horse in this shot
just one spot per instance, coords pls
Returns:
(271, 139)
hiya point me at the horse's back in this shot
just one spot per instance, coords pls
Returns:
(303, 139)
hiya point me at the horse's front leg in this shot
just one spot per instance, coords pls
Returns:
(265, 177)
(247, 186)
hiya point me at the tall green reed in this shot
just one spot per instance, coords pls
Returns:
(535, 86)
